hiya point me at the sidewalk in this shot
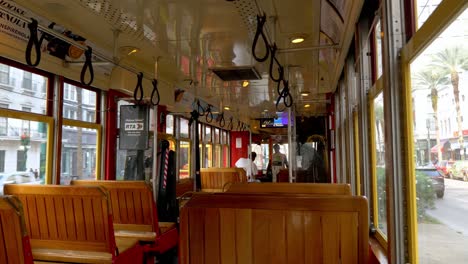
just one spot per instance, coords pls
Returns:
(439, 244)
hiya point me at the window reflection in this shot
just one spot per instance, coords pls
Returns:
(379, 163)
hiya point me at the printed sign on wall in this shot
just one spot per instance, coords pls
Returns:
(133, 127)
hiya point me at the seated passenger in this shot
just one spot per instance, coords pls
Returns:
(249, 166)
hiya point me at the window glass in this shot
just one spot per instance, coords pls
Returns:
(226, 156)
(378, 49)
(78, 154)
(22, 155)
(22, 89)
(216, 135)
(170, 124)
(208, 154)
(78, 103)
(439, 81)
(217, 156)
(424, 9)
(184, 128)
(379, 164)
(262, 156)
(184, 159)
(207, 134)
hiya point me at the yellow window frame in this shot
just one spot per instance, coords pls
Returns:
(50, 134)
(357, 152)
(373, 93)
(189, 156)
(98, 128)
(445, 13)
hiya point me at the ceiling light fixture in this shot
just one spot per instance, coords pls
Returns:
(305, 93)
(227, 108)
(307, 105)
(245, 83)
(297, 39)
(128, 50)
(266, 110)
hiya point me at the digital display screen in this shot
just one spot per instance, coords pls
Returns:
(280, 122)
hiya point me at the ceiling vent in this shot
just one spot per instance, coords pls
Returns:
(235, 73)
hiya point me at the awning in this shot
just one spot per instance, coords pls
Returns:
(456, 145)
(440, 146)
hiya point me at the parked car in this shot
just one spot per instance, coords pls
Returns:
(437, 179)
(17, 177)
(459, 170)
(444, 166)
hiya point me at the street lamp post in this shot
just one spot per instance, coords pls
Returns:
(428, 126)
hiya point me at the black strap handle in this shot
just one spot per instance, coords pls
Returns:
(155, 92)
(138, 89)
(88, 65)
(33, 42)
(200, 109)
(221, 120)
(260, 23)
(274, 60)
(230, 124)
(285, 95)
(209, 115)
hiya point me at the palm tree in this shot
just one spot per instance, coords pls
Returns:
(451, 61)
(431, 79)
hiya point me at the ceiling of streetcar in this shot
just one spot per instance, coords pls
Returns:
(190, 37)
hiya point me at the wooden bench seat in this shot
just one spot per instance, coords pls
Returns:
(293, 188)
(245, 228)
(135, 214)
(214, 179)
(73, 224)
(14, 241)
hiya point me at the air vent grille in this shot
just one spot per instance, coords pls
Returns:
(236, 73)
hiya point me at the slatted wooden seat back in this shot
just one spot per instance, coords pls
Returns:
(131, 202)
(66, 217)
(296, 188)
(214, 179)
(224, 228)
(14, 240)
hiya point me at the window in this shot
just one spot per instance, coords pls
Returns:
(184, 159)
(207, 134)
(21, 160)
(424, 9)
(69, 92)
(2, 160)
(78, 104)
(4, 74)
(21, 93)
(379, 178)
(378, 49)
(170, 124)
(80, 135)
(79, 154)
(438, 213)
(184, 128)
(3, 122)
(27, 81)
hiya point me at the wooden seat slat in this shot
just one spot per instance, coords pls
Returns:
(294, 188)
(224, 228)
(73, 224)
(14, 242)
(214, 179)
(135, 214)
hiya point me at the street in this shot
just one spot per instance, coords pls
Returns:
(452, 210)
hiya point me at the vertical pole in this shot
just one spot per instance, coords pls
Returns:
(155, 171)
(290, 148)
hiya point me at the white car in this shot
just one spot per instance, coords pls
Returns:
(17, 178)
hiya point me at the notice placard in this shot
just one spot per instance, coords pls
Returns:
(133, 127)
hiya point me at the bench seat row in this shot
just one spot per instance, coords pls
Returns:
(83, 224)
